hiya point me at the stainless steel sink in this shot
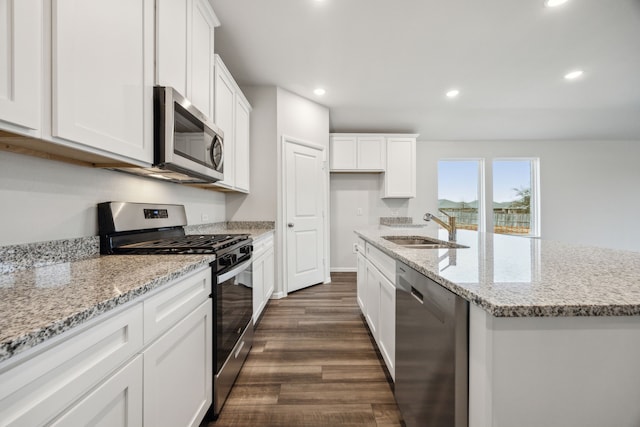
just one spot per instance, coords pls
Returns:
(421, 242)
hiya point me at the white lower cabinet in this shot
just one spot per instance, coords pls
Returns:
(376, 295)
(117, 402)
(372, 298)
(37, 390)
(94, 374)
(361, 280)
(387, 323)
(178, 372)
(263, 276)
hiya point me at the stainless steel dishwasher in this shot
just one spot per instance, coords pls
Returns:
(432, 363)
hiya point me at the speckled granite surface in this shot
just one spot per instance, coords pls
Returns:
(512, 276)
(20, 257)
(39, 303)
(254, 228)
(396, 220)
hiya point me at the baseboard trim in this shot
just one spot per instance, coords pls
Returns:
(344, 269)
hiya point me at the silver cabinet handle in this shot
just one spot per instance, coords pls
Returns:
(290, 225)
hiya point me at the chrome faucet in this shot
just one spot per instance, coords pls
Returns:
(451, 227)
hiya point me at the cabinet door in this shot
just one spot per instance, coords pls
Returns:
(257, 270)
(21, 64)
(200, 91)
(114, 403)
(387, 324)
(372, 291)
(171, 44)
(371, 153)
(400, 175)
(361, 281)
(343, 153)
(102, 66)
(224, 108)
(269, 275)
(178, 372)
(242, 141)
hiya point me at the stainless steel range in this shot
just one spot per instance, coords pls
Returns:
(152, 229)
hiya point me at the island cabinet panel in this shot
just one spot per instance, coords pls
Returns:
(102, 80)
(115, 403)
(37, 390)
(376, 296)
(361, 281)
(21, 66)
(553, 371)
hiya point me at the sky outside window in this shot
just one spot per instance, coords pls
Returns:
(458, 191)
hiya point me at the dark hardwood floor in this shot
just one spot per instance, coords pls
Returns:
(313, 363)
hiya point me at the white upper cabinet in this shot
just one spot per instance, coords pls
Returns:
(171, 44)
(357, 153)
(184, 49)
(102, 75)
(242, 140)
(232, 114)
(21, 66)
(400, 176)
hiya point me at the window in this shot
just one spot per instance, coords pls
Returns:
(515, 196)
(515, 208)
(459, 192)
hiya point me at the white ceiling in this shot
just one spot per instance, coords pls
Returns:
(386, 65)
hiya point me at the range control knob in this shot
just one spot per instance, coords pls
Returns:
(227, 260)
(246, 249)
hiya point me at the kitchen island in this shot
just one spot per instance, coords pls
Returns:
(554, 328)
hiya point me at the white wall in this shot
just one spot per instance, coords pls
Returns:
(49, 200)
(276, 112)
(589, 191)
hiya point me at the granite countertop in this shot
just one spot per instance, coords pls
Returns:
(47, 288)
(514, 276)
(42, 302)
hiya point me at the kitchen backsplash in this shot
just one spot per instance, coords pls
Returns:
(29, 255)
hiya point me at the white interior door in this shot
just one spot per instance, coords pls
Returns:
(304, 208)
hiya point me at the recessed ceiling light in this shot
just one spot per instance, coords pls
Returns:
(319, 91)
(453, 93)
(574, 75)
(554, 3)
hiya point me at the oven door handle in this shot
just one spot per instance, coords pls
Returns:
(237, 270)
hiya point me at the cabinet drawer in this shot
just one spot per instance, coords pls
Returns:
(166, 308)
(382, 261)
(41, 387)
(262, 245)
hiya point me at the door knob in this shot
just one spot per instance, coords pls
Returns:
(290, 225)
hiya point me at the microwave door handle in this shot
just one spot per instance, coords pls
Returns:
(237, 270)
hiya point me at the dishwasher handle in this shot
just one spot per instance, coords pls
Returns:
(417, 295)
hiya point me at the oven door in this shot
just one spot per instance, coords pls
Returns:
(233, 310)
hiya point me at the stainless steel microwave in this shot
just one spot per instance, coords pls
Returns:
(185, 141)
